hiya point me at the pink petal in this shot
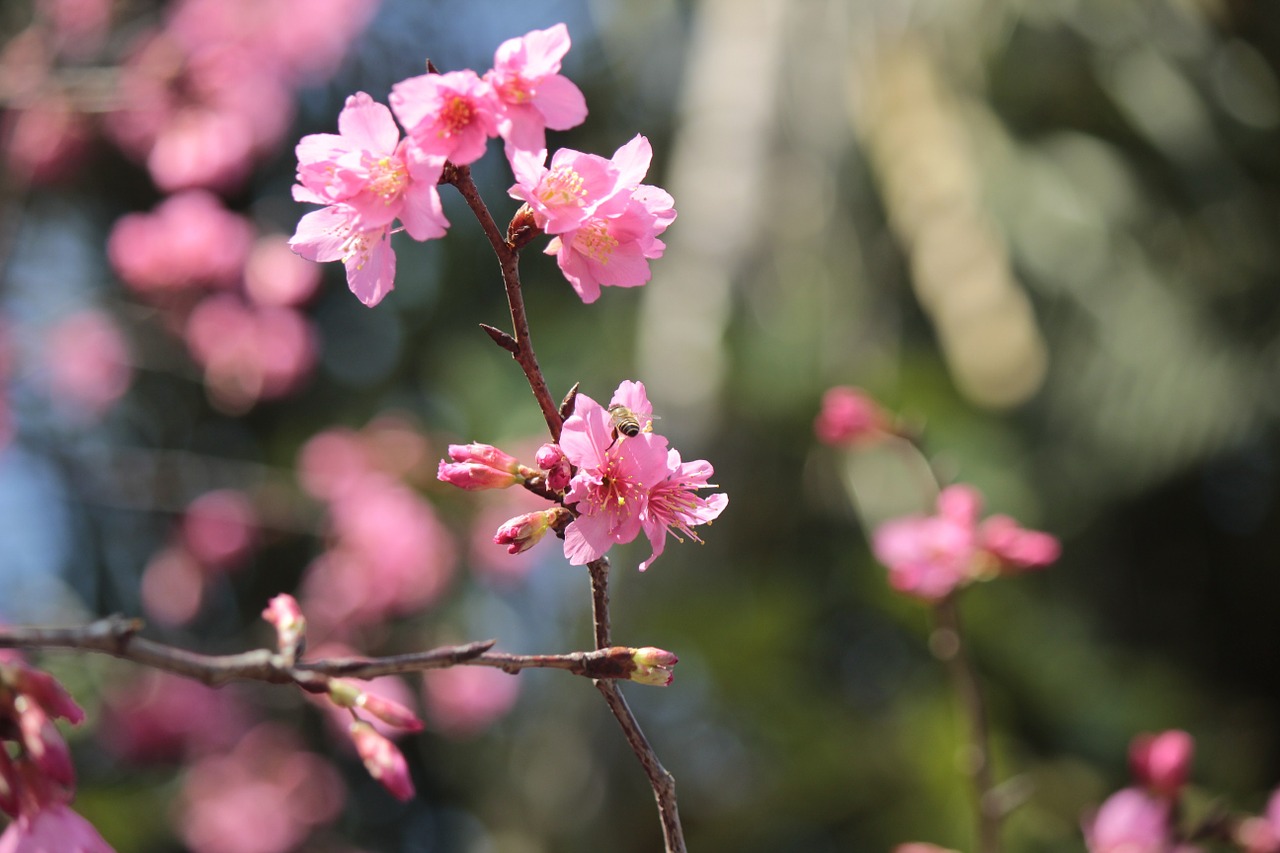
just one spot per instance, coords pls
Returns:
(368, 124)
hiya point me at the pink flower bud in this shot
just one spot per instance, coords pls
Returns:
(291, 626)
(382, 759)
(390, 712)
(1162, 762)
(45, 691)
(849, 416)
(44, 744)
(653, 666)
(481, 466)
(1129, 820)
(551, 459)
(521, 533)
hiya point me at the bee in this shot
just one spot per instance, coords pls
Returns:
(626, 423)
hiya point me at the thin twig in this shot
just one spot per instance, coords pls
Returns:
(509, 260)
(948, 646)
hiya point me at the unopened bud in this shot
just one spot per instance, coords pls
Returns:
(1162, 762)
(521, 533)
(523, 228)
(481, 466)
(653, 666)
(382, 759)
(291, 626)
(849, 416)
(551, 458)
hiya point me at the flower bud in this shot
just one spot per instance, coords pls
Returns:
(1162, 762)
(523, 228)
(849, 416)
(551, 459)
(521, 533)
(481, 466)
(382, 759)
(291, 626)
(390, 712)
(653, 666)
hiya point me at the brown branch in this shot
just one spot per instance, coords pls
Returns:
(948, 646)
(117, 636)
(599, 570)
(509, 260)
(662, 782)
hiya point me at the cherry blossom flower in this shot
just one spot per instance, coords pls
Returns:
(1261, 834)
(849, 416)
(219, 528)
(367, 178)
(930, 556)
(577, 187)
(53, 828)
(88, 362)
(675, 508)
(531, 93)
(1132, 821)
(448, 115)
(611, 489)
(464, 700)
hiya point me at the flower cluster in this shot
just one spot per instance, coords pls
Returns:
(37, 779)
(611, 485)
(929, 557)
(603, 221)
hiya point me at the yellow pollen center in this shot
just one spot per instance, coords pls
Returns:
(595, 242)
(387, 178)
(561, 187)
(455, 116)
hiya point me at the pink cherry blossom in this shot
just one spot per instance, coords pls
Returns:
(1162, 762)
(366, 167)
(158, 717)
(611, 489)
(577, 186)
(448, 115)
(464, 700)
(675, 507)
(219, 528)
(333, 234)
(931, 556)
(849, 416)
(1130, 821)
(275, 276)
(189, 240)
(614, 251)
(531, 93)
(88, 362)
(54, 828)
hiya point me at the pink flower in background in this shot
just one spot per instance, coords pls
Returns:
(389, 556)
(172, 586)
(849, 416)
(46, 141)
(219, 528)
(1131, 821)
(275, 276)
(531, 92)
(448, 116)
(158, 717)
(1161, 763)
(88, 362)
(79, 26)
(266, 795)
(1261, 834)
(249, 353)
(931, 556)
(675, 507)
(464, 700)
(189, 240)
(611, 489)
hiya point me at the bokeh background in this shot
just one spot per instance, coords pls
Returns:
(1046, 233)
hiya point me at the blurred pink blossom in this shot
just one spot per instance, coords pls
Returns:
(1132, 821)
(189, 240)
(1261, 834)
(88, 362)
(249, 353)
(931, 556)
(1161, 763)
(45, 141)
(464, 700)
(79, 26)
(172, 587)
(275, 276)
(54, 828)
(389, 556)
(219, 528)
(849, 416)
(264, 796)
(156, 716)
(921, 847)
